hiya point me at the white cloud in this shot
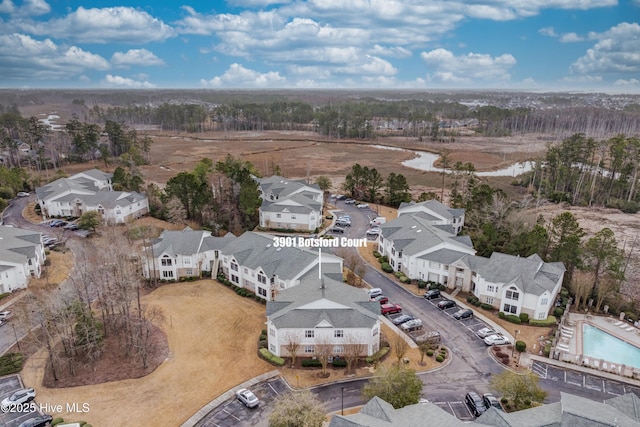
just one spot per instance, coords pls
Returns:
(123, 82)
(28, 8)
(106, 25)
(24, 57)
(7, 6)
(239, 76)
(617, 50)
(548, 31)
(394, 51)
(571, 38)
(627, 83)
(136, 57)
(583, 79)
(465, 69)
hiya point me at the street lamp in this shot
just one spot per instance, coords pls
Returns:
(342, 400)
(513, 348)
(16, 335)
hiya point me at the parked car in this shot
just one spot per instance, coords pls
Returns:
(432, 293)
(373, 232)
(21, 396)
(247, 398)
(374, 292)
(4, 315)
(337, 230)
(362, 205)
(399, 320)
(39, 421)
(23, 194)
(350, 201)
(340, 197)
(475, 403)
(412, 325)
(345, 217)
(496, 340)
(446, 303)
(343, 223)
(490, 400)
(485, 332)
(71, 226)
(390, 308)
(56, 223)
(463, 313)
(381, 299)
(329, 217)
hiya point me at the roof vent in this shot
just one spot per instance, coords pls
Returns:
(269, 245)
(413, 226)
(418, 231)
(278, 249)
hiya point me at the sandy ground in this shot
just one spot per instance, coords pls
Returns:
(203, 362)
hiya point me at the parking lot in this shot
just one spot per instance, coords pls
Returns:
(456, 408)
(233, 413)
(13, 418)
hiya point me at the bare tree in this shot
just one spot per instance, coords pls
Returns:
(323, 350)
(292, 344)
(353, 349)
(400, 347)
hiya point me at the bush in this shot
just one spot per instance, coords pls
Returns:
(378, 355)
(399, 274)
(377, 254)
(501, 315)
(505, 359)
(271, 358)
(405, 279)
(11, 363)
(422, 284)
(558, 311)
(57, 421)
(547, 350)
(442, 288)
(4, 295)
(339, 363)
(311, 363)
(512, 318)
(262, 344)
(521, 346)
(524, 317)
(486, 306)
(386, 267)
(429, 353)
(439, 359)
(471, 299)
(549, 321)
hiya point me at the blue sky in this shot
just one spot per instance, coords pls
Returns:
(559, 45)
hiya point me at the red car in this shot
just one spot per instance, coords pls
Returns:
(390, 308)
(381, 299)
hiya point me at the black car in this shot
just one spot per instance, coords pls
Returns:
(337, 230)
(40, 421)
(475, 403)
(446, 303)
(432, 293)
(490, 400)
(401, 319)
(463, 313)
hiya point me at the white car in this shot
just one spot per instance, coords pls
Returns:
(362, 205)
(373, 232)
(5, 315)
(22, 194)
(21, 396)
(485, 332)
(496, 339)
(411, 324)
(247, 398)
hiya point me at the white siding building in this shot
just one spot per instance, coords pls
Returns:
(290, 204)
(21, 257)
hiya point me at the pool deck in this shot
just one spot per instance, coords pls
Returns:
(570, 340)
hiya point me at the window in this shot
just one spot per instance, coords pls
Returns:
(234, 278)
(338, 349)
(375, 332)
(542, 316)
(165, 262)
(272, 332)
(308, 333)
(489, 300)
(491, 288)
(186, 261)
(262, 292)
(508, 308)
(293, 217)
(272, 348)
(338, 333)
(189, 272)
(278, 215)
(234, 266)
(262, 279)
(309, 349)
(246, 271)
(167, 274)
(512, 295)
(544, 301)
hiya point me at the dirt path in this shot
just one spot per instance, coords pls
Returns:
(212, 349)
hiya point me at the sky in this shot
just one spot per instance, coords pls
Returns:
(537, 45)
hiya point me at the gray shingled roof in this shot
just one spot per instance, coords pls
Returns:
(287, 310)
(213, 243)
(282, 187)
(530, 274)
(413, 235)
(255, 250)
(17, 245)
(434, 206)
(185, 242)
(444, 256)
(303, 204)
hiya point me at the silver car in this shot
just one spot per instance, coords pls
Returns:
(247, 398)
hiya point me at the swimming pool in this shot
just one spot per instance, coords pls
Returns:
(601, 345)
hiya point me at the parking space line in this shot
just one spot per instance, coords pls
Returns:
(225, 410)
(274, 390)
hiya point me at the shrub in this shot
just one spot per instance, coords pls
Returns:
(399, 274)
(311, 363)
(471, 299)
(549, 321)
(378, 355)
(4, 295)
(429, 353)
(405, 279)
(339, 363)
(564, 292)
(386, 267)
(500, 354)
(486, 306)
(262, 344)
(513, 319)
(521, 346)
(439, 359)
(524, 317)
(377, 254)
(271, 358)
(501, 315)
(11, 363)
(57, 421)
(558, 311)
(505, 359)
(422, 284)
(442, 287)
(547, 350)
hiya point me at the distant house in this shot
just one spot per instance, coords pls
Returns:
(436, 213)
(290, 204)
(21, 257)
(570, 411)
(324, 312)
(183, 254)
(253, 262)
(90, 191)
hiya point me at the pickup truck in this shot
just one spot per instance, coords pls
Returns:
(390, 308)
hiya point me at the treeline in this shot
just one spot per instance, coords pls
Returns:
(364, 183)
(588, 172)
